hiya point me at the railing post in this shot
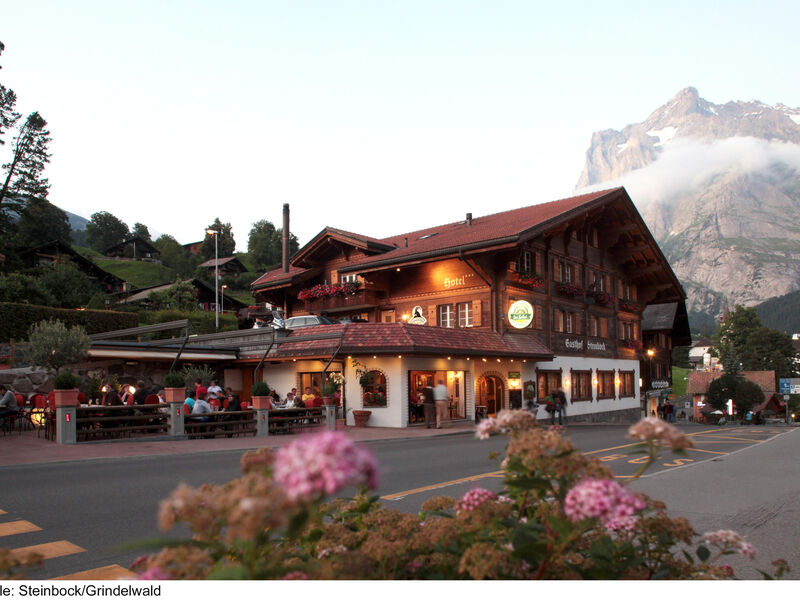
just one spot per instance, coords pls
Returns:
(176, 428)
(261, 406)
(66, 412)
(330, 417)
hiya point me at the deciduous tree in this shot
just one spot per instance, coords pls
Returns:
(105, 230)
(265, 244)
(141, 230)
(175, 256)
(227, 245)
(41, 222)
(52, 345)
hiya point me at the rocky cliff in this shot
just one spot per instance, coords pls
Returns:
(719, 187)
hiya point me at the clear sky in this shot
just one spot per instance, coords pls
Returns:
(377, 117)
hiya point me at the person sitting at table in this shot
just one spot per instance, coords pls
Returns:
(189, 399)
(214, 391)
(308, 397)
(289, 403)
(112, 398)
(162, 399)
(141, 393)
(298, 403)
(8, 404)
(201, 407)
(127, 393)
(234, 403)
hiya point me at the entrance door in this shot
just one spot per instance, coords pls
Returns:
(490, 394)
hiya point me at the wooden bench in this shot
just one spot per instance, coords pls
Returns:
(289, 420)
(220, 424)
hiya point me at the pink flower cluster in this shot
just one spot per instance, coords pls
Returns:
(323, 290)
(474, 498)
(727, 539)
(505, 421)
(654, 429)
(603, 499)
(322, 464)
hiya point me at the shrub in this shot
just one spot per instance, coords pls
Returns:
(260, 388)
(561, 515)
(16, 319)
(174, 380)
(192, 373)
(51, 345)
(66, 381)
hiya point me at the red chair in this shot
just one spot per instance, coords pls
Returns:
(51, 400)
(39, 401)
(214, 403)
(245, 405)
(129, 400)
(186, 409)
(152, 399)
(81, 397)
(225, 403)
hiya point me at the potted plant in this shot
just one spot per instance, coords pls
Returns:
(361, 417)
(65, 388)
(330, 388)
(260, 394)
(174, 387)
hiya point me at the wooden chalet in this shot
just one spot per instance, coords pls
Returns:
(559, 287)
(56, 252)
(229, 266)
(136, 248)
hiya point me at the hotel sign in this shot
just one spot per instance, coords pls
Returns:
(597, 346)
(453, 282)
(573, 344)
(416, 316)
(520, 314)
(659, 384)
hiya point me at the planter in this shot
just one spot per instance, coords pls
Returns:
(177, 394)
(66, 397)
(361, 417)
(329, 400)
(262, 402)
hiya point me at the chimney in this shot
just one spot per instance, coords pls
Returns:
(285, 253)
(469, 218)
(406, 242)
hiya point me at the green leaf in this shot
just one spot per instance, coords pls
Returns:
(529, 483)
(230, 572)
(703, 553)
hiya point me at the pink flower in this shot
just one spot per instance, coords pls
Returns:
(505, 421)
(603, 499)
(320, 465)
(295, 575)
(474, 498)
(730, 540)
(654, 429)
(153, 573)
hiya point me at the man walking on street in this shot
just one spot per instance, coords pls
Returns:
(440, 396)
(429, 406)
(560, 401)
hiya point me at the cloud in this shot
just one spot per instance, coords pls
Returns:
(688, 163)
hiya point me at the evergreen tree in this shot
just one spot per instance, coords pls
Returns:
(24, 173)
(8, 101)
(41, 222)
(175, 256)
(227, 245)
(105, 230)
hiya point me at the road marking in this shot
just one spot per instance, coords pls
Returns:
(399, 495)
(611, 457)
(678, 462)
(2, 512)
(50, 550)
(734, 439)
(707, 451)
(15, 527)
(106, 573)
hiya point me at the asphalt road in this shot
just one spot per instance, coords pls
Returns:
(99, 505)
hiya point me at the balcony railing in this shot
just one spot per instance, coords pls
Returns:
(361, 299)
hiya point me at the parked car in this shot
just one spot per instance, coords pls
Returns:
(306, 321)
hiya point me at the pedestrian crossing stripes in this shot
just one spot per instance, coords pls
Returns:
(106, 573)
(15, 527)
(49, 550)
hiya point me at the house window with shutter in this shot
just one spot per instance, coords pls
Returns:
(465, 314)
(446, 315)
(558, 320)
(594, 326)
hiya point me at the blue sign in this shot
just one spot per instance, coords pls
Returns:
(785, 386)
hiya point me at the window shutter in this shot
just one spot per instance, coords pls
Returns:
(432, 315)
(619, 288)
(334, 276)
(539, 263)
(476, 313)
(556, 270)
(537, 309)
(604, 327)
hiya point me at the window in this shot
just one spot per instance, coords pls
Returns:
(573, 321)
(566, 322)
(581, 385)
(547, 382)
(594, 326)
(626, 291)
(446, 315)
(464, 314)
(594, 238)
(349, 278)
(628, 331)
(605, 384)
(626, 384)
(525, 262)
(387, 316)
(373, 389)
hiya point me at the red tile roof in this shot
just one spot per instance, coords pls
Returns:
(402, 338)
(221, 261)
(452, 236)
(700, 380)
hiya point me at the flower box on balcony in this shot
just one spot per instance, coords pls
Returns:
(568, 289)
(630, 306)
(602, 298)
(533, 282)
(323, 290)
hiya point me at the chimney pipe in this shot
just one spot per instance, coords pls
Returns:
(285, 252)
(406, 242)
(469, 218)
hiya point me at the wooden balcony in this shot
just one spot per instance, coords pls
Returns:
(362, 299)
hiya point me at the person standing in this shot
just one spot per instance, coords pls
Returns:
(440, 397)
(560, 402)
(214, 391)
(429, 406)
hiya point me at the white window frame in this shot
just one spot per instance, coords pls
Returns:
(465, 316)
(348, 278)
(446, 316)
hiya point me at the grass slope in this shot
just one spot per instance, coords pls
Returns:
(137, 272)
(678, 381)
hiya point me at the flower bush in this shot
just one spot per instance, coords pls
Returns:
(630, 306)
(323, 290)
(569, 289)
(529, 280)
(603, 298)
(561, 515)
(373, 399)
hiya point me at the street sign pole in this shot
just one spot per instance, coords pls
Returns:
(786, 402)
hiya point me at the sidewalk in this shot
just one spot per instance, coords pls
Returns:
(27, 448)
